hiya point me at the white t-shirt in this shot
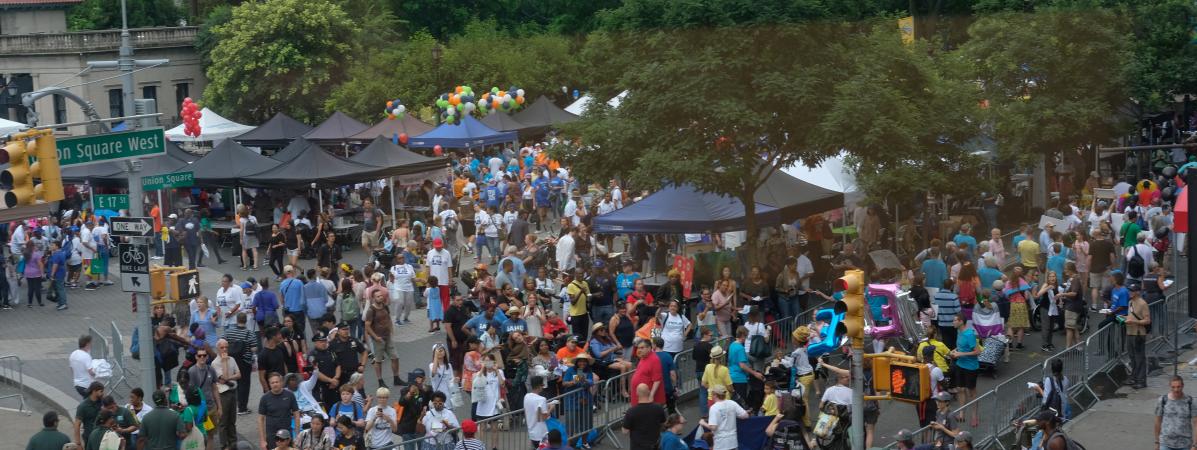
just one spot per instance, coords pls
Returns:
(723, 415)
(571, 209)
(496, 165)
(565, 253)
(673, 332)
(80, 363)
(18, 239)
(76, 257)
(380, 434)
(439, 262)
(757, 329)
(87, 245)
(840, 395)
(936, 377)
(734, 239)
(805, 268)
(101, 234)
(534, 404)
(226, 299)
(403, 274)
(434, 424)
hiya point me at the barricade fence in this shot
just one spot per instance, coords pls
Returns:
(12, 370)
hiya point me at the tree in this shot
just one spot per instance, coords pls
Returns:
(279, 55)
(1054, 78)
(106, 14)
(205, 38)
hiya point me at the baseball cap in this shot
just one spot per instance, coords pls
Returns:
(438, 243)
(283, 434)
(246, 285)
(469, 426)
(943, 397)
(173, 216)
(904, 436)
(718, 389)
(964, 436)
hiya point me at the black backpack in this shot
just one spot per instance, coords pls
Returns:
(1135, 265)
(1069, 444)
(759, 347)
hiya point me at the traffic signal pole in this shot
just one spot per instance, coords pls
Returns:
(852, 307)
(856, 431)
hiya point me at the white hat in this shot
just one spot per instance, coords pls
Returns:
(173, 216)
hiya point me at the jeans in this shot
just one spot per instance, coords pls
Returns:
(703, 409)
(59, 287)
(193, 255)
(34, 290)
(1138, 359)
(603, 314)
(790, 305)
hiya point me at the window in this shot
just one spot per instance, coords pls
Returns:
(60, 110)
(182, 91)
(116, 103)
(150, 93)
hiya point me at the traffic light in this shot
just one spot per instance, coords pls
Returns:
(16, 177)
(46, 169)
(852, 306)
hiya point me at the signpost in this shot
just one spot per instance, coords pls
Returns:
(168, 181)
(132, 226)
(77, 151)
(135, 267)
(114, 202)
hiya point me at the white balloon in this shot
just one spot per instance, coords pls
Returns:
(451, 111)
(402, 109)
(519, 93)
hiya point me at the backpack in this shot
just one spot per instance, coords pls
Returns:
(1164, 401)
(237, 349)
(450, 222)
(1069, 444)
(1135, 266)
(1055, 400)
(759, 347)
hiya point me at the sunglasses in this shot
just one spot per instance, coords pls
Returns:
(201, 355)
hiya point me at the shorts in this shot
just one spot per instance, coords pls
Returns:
(1071, 320)
(965, 378)
(1098, 280)
(383, 350)
(1028, 269)
(369, 238)
(293, 252)
(871, 416)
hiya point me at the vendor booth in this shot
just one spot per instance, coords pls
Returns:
(337, 129)
(470, 133)
(277, 132)
(213, 128)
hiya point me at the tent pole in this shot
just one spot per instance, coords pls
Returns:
(391, 182)
(320, 193)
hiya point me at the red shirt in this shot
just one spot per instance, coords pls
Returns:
(648, 371)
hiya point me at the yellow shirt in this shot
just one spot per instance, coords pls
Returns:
(1028, 250)
(578, 292)
(715, 374)
(941, 353)
(769, 406)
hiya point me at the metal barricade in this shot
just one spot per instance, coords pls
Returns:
(1073, 359)
(506, 430)
(11, 369)
(120, 364)
(1013, 400)
(433, 442)
(99, 344)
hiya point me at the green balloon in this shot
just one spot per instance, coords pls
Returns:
(494, 90)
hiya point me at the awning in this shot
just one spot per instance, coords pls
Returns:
(277, 132)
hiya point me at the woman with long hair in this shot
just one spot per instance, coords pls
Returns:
(622, 328)
(275, 251)
(247, 228)
(968, 286)
(440, 374)
(1047, 301)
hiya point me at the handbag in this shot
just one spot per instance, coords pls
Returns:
(826, 425)
(193, 441)
(204, 249)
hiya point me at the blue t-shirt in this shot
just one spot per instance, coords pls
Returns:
(667, 366)
(624, 284)
(557, 184)
(474, 163)
(292, 290)
(480, 323)
(967, 342)
(514, 325)
(735, 356)
(265, 302)
(542, 190)
(1120, 301)
(493, 196)
(1056, 264)
(963, 239)
(936, 272)
(988, 275)
(670, 441)
(316, 296)
(58, 261)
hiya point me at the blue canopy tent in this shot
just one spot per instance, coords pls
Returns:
(683, 209)
(470, 133)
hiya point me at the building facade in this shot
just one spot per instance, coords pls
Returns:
(36, 51)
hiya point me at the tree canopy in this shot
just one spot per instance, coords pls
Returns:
(106, 14)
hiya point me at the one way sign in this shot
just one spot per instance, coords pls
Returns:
(132, 226)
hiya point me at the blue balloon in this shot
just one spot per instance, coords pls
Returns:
(575, 93)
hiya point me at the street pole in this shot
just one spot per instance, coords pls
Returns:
(856, 431)
(126, 64)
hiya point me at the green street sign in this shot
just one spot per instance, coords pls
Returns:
(168, 181)
(77, 151)
(115, 202)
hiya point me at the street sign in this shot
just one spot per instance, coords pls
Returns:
(168, 181)
(187, 285)
(135, 267)
(77, 151)
(115, 202)
(132, 226)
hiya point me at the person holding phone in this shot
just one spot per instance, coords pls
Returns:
(381, 420)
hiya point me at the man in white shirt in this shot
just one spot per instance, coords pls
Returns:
(440, 264)
(571, 209)
(566, 258)
(839, 394)
(495, 163)
(537, 411)
(16, 241)
(1144, 250)
(606, 205)
(298, 205)
(674, 330)
(723, 415)
(616, 195)
(81, 373)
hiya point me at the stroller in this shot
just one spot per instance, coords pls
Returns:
(987, 321)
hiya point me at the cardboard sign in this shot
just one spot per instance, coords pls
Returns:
(685, 265)
(1060, 225)
(1100, 193)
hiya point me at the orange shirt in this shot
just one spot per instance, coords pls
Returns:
(459, 187)
(563, 354)
(156, 213)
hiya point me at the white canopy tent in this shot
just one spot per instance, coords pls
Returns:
(579, 106)
(213, 127)
(831, 174)
(8, 126)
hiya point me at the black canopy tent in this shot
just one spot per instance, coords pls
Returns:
(401, 165)
(407, 124)
(295, 148)
(796, 198)
(277, 132)
(227, 164)
(314, 166)
(505, 122)
(543, 113)
(335, 130)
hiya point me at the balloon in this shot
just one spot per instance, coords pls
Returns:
(519, 100)
(575, 93)
(494, 90)
(390, 103)
(438, 151)
(198, 115)
(451, 111)
(495, 105)
(403, 138)
(519, 92)
(402, 109)
(187, 100)
(457, 90)
(564, 89)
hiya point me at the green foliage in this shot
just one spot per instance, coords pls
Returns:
(653, 14)
(106, 14)
(483, 56)
(1054, 78)
(205, 38)
(279, 55)
(445, 20)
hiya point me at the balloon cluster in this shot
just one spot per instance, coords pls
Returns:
(191, 117)
(395, 109)
(463, 101)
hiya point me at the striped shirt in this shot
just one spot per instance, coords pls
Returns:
(250, 342)
(469, 444)
(948, 305)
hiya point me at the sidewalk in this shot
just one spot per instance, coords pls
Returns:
(1127, 419)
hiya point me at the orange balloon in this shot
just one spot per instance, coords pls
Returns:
(495, 104)
(454, 100)
(502, 93)
(457, 90)
(390, 103)
(519, 100)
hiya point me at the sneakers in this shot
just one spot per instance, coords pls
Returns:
(108, 283)
(243, 412)
(91, 286)
(61, 307)
(1045, 348)
(381, 383)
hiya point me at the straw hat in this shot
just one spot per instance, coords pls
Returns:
(716, 351)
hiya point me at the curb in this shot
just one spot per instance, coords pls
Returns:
(46, 394)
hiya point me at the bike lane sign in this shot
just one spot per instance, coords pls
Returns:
(135, 267)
